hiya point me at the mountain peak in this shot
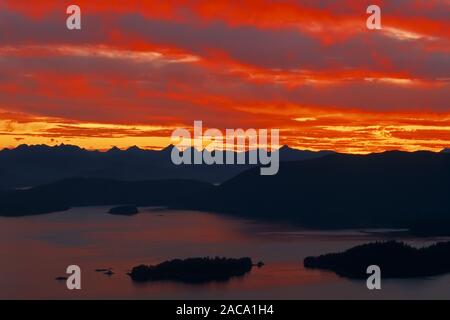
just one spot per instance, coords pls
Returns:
(114, 150)
(285, 147)
(67, 147)
(168, 148)
(446, 150)
(134, 148)
(22, 147)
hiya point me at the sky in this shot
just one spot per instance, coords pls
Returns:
(137, 70)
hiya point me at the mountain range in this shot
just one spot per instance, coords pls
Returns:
(391, 189)
(28, 166)
(379, 190)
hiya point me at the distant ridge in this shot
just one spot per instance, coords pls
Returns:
(387, 190)
(77, 192)
(27, 166)
(446, 150)
(338, 191)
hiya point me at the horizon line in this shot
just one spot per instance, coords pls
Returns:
(443, 150)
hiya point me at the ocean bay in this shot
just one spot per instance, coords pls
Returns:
(37, 249)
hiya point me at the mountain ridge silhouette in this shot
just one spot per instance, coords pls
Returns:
(27, 166)
(392, 189)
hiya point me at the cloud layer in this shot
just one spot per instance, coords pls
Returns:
(138, 69)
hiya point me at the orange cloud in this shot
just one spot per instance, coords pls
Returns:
(142, 68)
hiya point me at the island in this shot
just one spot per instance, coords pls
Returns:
(193, 270)
(124, 210)
(395, 259)
(106, 271)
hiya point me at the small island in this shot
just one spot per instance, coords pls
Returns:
(106, 271)
(193, 270)
(124, 210)
(395, 259)
(61, 278)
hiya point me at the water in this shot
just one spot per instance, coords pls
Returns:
(35, 250)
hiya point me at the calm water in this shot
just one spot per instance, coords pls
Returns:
(35, 250)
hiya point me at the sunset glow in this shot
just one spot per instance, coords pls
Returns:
(140, 69)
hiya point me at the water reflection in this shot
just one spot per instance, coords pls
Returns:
(35, 250)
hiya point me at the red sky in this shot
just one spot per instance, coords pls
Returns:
(139, 69)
